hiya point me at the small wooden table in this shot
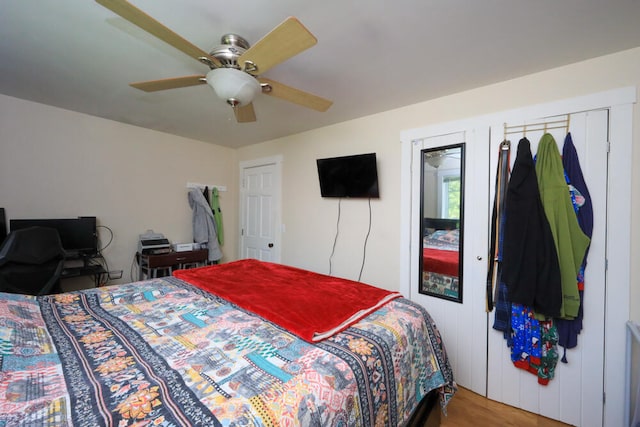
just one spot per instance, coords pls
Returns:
(164, 264)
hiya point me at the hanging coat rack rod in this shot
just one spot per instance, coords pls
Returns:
(203, 186)
(541, 126)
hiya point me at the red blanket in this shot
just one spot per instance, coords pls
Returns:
(440, 261)
(310, 305)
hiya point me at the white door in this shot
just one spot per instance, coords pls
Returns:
(463, 325)
(260, 206)
(575, 395)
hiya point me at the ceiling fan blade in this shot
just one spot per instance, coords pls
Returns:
(284, 41)
(172, 83)
(137, 17)
(245, 114)
(294, 95)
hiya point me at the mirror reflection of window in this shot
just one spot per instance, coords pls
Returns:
(442, 213)
(451, 196)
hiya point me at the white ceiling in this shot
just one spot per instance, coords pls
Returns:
(371, 56)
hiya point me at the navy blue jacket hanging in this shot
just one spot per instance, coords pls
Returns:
(568, 330)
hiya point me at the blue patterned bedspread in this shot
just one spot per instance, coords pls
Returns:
(164, 353)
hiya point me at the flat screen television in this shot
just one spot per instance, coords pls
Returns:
(349, 176)
(78, 235)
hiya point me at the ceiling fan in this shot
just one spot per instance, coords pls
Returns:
(436, 157)
(235, 66)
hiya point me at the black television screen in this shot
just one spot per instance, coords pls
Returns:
(349, 176)
(78, 235)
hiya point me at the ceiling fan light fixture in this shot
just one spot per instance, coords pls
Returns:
(435, 159)
(234, 86)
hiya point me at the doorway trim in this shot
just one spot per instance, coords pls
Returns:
(619, 102)
(276, 212)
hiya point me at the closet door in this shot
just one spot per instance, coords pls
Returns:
(463, 324)
(575, 395)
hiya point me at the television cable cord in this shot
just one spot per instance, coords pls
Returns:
(364, 249)
(103, 262)
(335, 240)
(110, 238)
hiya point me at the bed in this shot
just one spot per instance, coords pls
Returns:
(440, 256)
(171, 351)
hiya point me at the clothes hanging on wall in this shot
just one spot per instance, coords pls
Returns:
(570, 241)
(497, 227)
(217, 214)
(565, 205)
(502, 317)
(572, 168)
(205, 193)
(534, 347)
(530, 262)
(568, 330)
(531, 272)
(204, 227)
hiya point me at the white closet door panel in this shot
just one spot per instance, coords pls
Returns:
(548, 400)
(463, 325)
(591, 340)
(574, 396)
(503, 384)
(476, 235)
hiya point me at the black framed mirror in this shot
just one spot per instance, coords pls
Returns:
(442, 214)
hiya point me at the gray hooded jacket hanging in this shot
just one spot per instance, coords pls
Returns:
(204, 226)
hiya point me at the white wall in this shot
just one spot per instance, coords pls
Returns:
(55, 163)
(310, 220)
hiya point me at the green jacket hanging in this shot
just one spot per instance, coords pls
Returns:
(571, 242)
(217, 214)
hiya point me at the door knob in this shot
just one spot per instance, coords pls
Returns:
(270, 245)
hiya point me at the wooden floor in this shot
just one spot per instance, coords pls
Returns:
(470, 409)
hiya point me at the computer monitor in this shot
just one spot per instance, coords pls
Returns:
(78, 235)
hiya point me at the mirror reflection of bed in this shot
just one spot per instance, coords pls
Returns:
(440, 256)
(442, 213)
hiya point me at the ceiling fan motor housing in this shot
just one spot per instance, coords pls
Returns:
(230, 48)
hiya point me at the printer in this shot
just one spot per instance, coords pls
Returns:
(151, 243)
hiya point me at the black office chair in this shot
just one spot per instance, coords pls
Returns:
(31, 261)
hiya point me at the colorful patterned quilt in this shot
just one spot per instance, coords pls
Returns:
(165, 353)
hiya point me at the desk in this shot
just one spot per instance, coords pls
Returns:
(88, 270)
(164, 264)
